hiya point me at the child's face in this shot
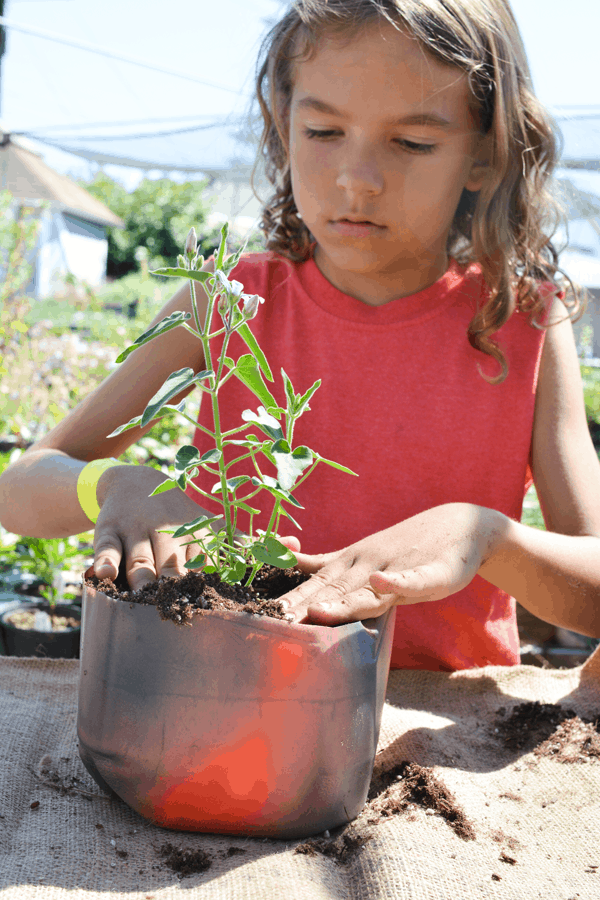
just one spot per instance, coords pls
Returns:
(382, 143)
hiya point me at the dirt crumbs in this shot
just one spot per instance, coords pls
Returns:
(185, 862)
(182, 597)
(393, 792)
(550, 731)
(573, 742)
(408, 785)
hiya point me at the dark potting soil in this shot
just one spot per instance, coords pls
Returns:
(185, 862)
(182, 597)
(393, 792)
(550, 730)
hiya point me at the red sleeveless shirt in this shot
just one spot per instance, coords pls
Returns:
(403, 404)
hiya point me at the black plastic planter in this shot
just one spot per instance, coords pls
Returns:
(50, 644)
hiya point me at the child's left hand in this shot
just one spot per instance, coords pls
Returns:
(427, 557)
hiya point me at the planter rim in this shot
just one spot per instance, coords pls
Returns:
(309, 634)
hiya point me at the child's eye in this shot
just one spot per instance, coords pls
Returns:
(414, 146)
(320, 133)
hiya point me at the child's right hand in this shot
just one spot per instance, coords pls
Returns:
(128, 523)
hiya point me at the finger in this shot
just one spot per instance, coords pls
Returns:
(308, 563)
(427, 582)
(108, 552)
(361, 604)
(291, 542)
(140, 565)
(171, 555)
(327, 591)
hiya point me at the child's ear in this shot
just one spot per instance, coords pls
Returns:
(480, 166)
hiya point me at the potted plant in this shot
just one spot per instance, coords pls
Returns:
(239, 723)
(36, 622)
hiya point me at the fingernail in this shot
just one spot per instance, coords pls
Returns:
(323, 605)
(290, 617)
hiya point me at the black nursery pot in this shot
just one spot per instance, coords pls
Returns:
(43, 644)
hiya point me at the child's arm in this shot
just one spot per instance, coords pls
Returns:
(38, 493)
(554, 574)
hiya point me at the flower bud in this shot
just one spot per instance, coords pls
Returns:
(236, 288)
(191, 241)
(224, 310)
(251, 302)
(182, 262)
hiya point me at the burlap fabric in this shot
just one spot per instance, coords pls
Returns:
(536, 820)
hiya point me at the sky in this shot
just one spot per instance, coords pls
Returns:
(46, 84)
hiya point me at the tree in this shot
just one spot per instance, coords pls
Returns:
(157, 215)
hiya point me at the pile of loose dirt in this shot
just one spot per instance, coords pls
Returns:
(393, 792)
(180, 598)
(528, 724)
(185, 862)
(574, 741)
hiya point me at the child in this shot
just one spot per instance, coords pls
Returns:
(409, 268)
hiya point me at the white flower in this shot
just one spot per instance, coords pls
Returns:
(191, 242)
(251, 302)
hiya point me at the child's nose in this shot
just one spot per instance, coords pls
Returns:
(359, 173)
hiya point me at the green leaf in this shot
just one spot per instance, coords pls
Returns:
(290, 466)
(232, 484)
(196, 563)
(167, 485)
(302, 402)
(234, 574)
(195, 525)
(175, 383)
(178, 272)
(290, 517)
(249, 374)
(137, 419)
(211, 456)
(330, 462)
(247, 508)
(249, 441)
(289, 391)
(187, 456)
(274, 488)
(272, 552)
(229, 362)
(166, 324)
(222, 246)
(246, 334)
(267, 424)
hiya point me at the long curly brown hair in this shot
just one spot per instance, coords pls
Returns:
(505, 226)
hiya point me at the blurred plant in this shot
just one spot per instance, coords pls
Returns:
(591, 392)
(45, 558)
(19, 229)
(156, 214)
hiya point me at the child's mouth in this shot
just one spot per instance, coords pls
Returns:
(351, 227)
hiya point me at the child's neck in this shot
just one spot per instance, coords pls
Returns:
(379, 288)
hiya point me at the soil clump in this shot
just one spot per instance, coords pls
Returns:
(185, 862)
(549, 730)
(180, 598)
(393, 792)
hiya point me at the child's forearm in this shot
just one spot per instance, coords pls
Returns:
(554, 576)
(38, 495)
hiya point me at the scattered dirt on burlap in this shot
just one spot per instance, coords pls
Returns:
(48, 773)
(393, 792)
(408, 785)
(185, 862)
(182, 597)
(574, 741)
(549, 730)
